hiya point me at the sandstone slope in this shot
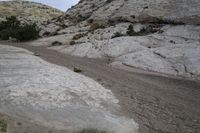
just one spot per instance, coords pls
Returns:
(166, 34)
(55, 96)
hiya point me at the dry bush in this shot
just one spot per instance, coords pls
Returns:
(95, 26)
(78, 36)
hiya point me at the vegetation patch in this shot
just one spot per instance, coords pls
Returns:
(3, 126)
(77, 70)
(117, 34)
(142, 32)
(72, 43)
(165, 21)
(95, 26)
(91, 131)
(78, 36)
(28, 10)
(12, 28)
(56, 43)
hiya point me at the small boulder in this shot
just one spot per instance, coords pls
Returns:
(77, 70)
(36, 54)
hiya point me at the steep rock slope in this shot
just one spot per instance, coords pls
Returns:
(139, 10)
(165, 36)
(28, 11)
(177, 11)
(144, 11)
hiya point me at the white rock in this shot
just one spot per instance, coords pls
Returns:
(175, 51)
(35, 90)
(186, 56)
(83, 50)
(185, 31)
(47, 41)
(120, 46)
(147, 60)
(139, 10)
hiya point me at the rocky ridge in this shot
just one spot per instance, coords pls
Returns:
(28, 11)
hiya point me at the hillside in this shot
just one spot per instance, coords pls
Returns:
(27, 10)
(158, 11)
(165, 33)
(143, 11)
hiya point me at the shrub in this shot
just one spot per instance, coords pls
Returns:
(78, 18)
(109, 1)
(130, 30)
(90, 21)
(72, 43)
(56, 43)
(14, 29)
(11, 22)
(91, 131)
(165, 21)
(77, 70)
(5, 34)
(95, 26)
(78, 36)
(117, 34)
(3, 126)
(143, 31)
(27, 32)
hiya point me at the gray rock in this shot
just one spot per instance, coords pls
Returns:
(54, 96)
(170, 46)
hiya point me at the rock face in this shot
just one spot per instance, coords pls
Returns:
(54, 96)
(28, 11)
(177, 11)
(116, 11)
(165, 39)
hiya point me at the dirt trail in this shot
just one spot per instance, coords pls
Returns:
(159, 104)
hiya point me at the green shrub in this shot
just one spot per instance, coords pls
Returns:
(91, 131)
(3, 126)
(27, 32)
(117, 34)
(5, 34)
(130, 31)
(11, 22)
(142, 32)
(14, 29)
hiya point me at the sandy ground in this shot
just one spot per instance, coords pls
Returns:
(160, 104)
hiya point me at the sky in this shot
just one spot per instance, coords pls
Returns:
(59, 4)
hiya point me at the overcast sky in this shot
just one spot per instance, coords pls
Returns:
(60, 4)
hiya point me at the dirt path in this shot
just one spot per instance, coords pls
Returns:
(159, 104)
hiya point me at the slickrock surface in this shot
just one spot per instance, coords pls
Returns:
(166, 40)
(32, 89)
